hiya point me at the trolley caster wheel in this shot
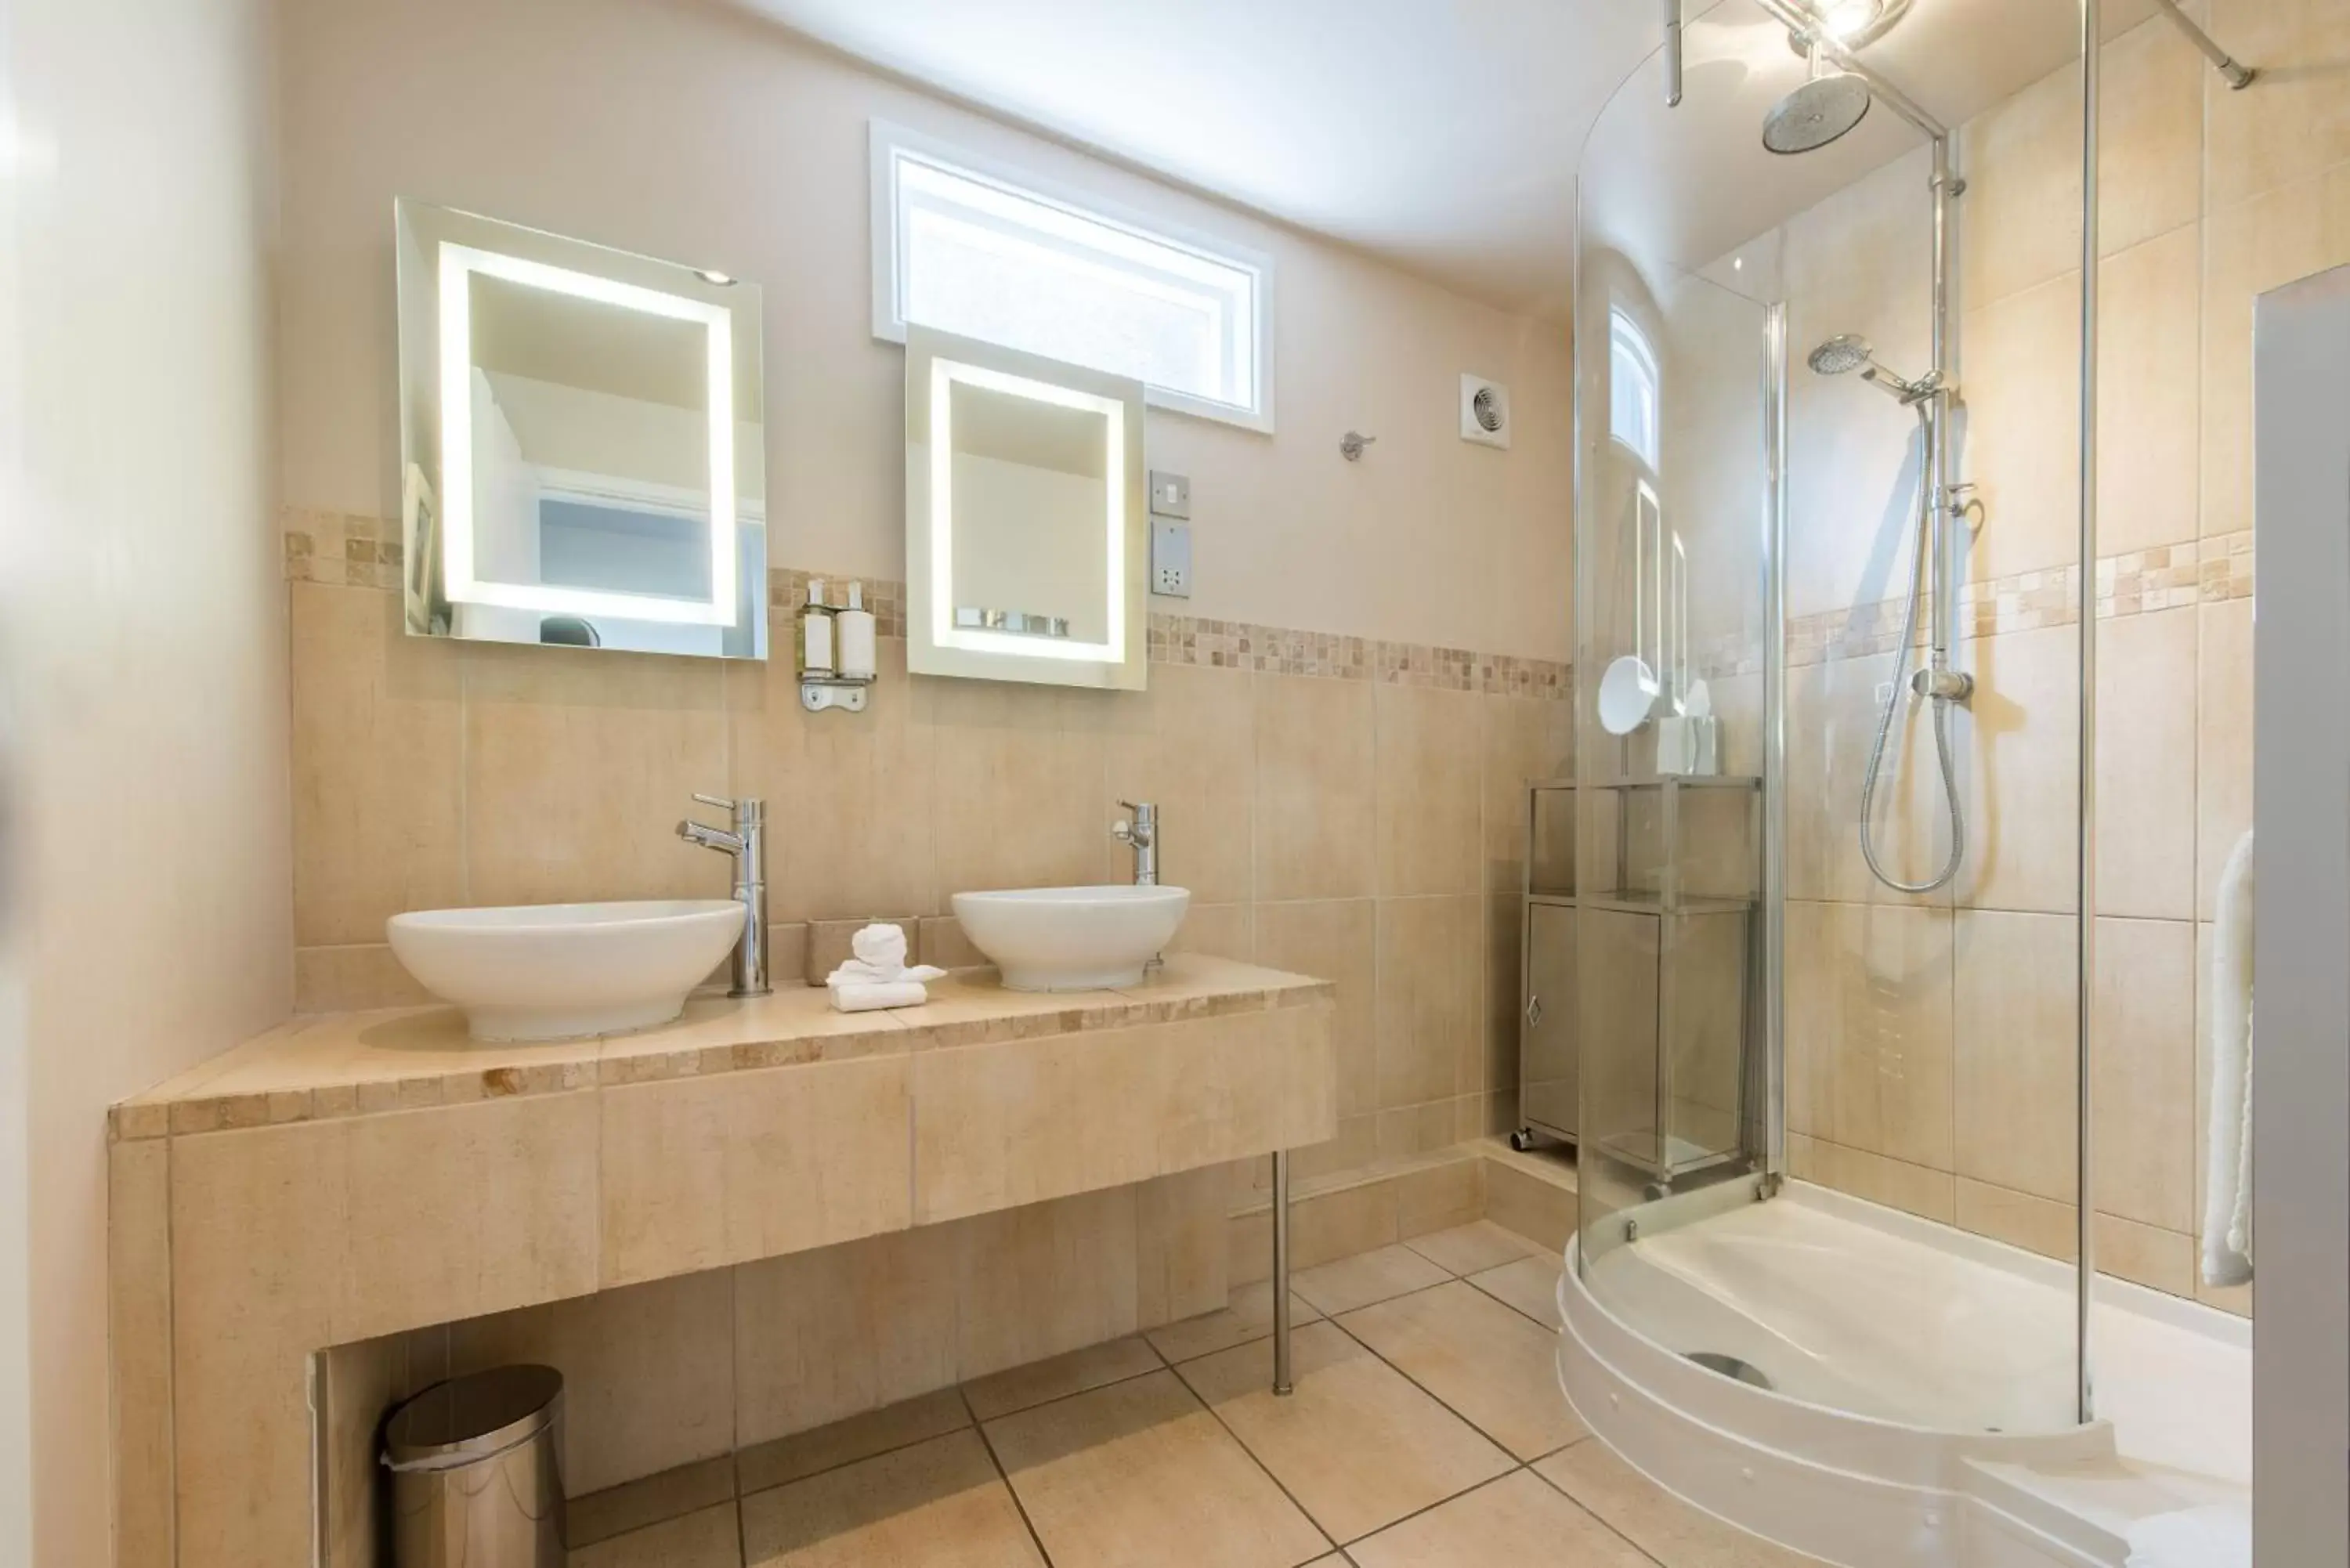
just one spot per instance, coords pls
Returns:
(1522, 1139)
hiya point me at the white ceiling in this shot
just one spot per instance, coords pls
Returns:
(1440, 134)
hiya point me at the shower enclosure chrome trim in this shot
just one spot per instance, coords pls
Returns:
(2084, 918)
(2239, 75)
(1774, 743)
(1672, 54)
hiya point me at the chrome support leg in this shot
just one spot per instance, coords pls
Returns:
(1281, 1384)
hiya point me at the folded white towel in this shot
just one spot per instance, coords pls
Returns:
(858, 970)
(2215, 1536)
(880, 944)
(865, 996)
(881, 961)
(2227, 1184)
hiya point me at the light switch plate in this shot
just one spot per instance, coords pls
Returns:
(1170, 557)
(1170, 494)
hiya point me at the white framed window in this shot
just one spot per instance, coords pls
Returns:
(1634, 405)
(972, 248)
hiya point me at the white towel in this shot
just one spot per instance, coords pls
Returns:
(2228, 1183)
(864, 995)
(2219, 1535)
(878, 976)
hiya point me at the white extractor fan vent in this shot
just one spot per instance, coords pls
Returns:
(1484, 412)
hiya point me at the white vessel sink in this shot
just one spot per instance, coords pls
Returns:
(1071, 939)
(554, 971)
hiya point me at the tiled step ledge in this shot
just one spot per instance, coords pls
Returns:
(1350, 1212)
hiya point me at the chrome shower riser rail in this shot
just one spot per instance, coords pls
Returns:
(2239, 75)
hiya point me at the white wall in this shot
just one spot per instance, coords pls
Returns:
(692, 131)
(144, 635)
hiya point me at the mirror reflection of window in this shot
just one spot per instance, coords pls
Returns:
(1635, 406)
(1031, 490)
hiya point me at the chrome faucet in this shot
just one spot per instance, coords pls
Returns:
(747, 843)
(1141, 835)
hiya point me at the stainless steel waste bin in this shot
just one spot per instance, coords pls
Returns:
(477, 1472)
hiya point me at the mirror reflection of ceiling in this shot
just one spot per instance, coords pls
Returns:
(548, 335)
(1013, 429)
(1443, 137)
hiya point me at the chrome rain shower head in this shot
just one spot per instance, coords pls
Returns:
(1816, 113)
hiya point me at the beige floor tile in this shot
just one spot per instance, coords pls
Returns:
(1515, 1519)
(1490, 1362)
(633, 1505)
(1110, 1478)
(1666, 1529)
(703, 1540)
(1059, 1377)
(844, 1442)
(940, 1503)
(1530, 1285)
(1367, 1277)
(1356, 1445)
(1249, 1315)
(1473, 1248)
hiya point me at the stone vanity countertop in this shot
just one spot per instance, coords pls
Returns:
(323, 1065)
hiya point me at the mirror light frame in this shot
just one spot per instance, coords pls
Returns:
(935, 362)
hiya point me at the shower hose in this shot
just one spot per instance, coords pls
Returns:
(1893, 700)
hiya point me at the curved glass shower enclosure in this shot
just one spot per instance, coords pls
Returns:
(1830, 671)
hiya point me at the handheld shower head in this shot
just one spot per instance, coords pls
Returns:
(1849, 351)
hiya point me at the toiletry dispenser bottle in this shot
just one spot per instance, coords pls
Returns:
(853, 636)
(816, 657)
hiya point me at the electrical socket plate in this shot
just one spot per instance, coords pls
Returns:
(1170, 559)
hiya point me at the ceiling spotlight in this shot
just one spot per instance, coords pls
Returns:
(1844, 20)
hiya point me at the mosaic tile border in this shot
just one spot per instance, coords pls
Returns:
(365, 552)
(2139, 582)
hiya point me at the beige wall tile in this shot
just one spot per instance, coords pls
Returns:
(2019, 372)
(2019, 1218)
(1429, 996)
(2223, 745)
(944, 944)
(1542, 1211)
(1039, 1281)
(1002, 1124)
(2014, 1026)
(139, 1334)
(467, 1210)
(377, 784)
(256, 1250)
(699, 1172)
(1316, 796)
(851, 796)
(1332, 939)
(822, 1335)
(2150, 408)
(1180, 1246)
(2158, 1258)
(1188, 744)
(1323, 1227)
(2019, 747)
(1429, 796)
(809, 1453)
(1526, 738)
(2022, 158)
(1439, 1197)
(1896, 1184)
(2301, 124)
(2150, 134)
(2143, 1089)
(1494, 1070)
(648, 1372)
(2146, 782)
(2289, 231)
(1832, 716)
(1019, 785)
(353, 979)
(1412, 1131)
(578, 769)
(1868, 1028)
(1224, 930)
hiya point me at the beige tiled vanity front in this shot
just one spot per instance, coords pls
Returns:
(355, 1176)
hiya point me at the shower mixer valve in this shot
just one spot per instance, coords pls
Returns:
(1943, 685)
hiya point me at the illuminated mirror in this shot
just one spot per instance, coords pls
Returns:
(581, 438)
(1025, 525)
